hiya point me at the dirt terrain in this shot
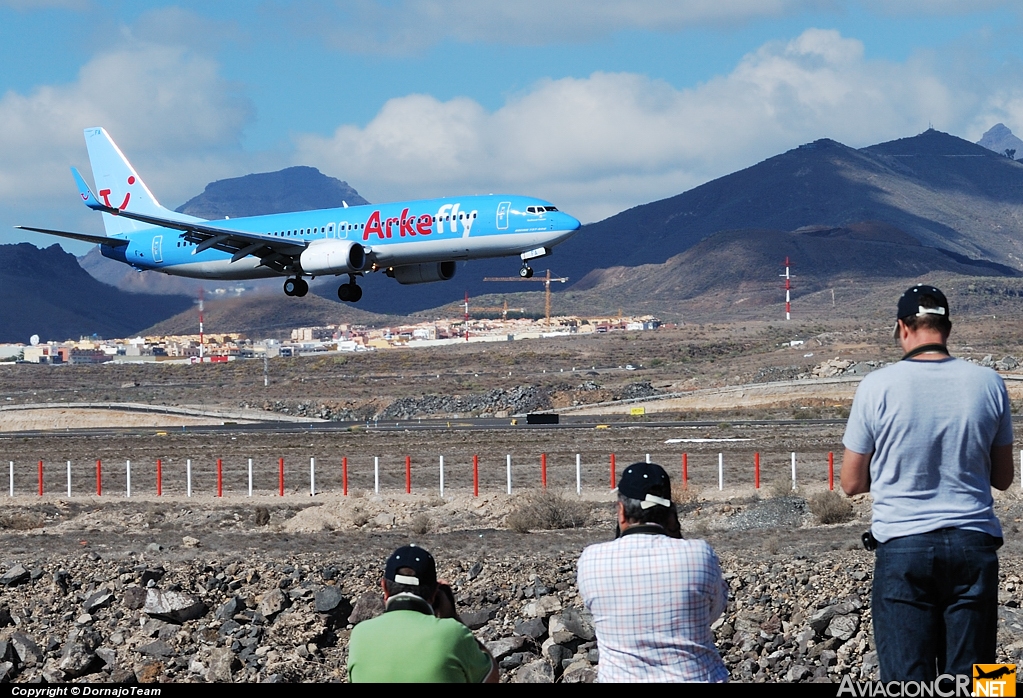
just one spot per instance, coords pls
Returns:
(267, 569)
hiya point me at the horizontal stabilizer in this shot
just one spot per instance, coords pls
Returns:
(94, 239)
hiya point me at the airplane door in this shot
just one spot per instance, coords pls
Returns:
(502, 215)
(158, 248)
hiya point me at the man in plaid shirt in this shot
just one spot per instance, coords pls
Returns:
(653, 596)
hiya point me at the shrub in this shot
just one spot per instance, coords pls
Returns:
(544, 510)
(686, 497)
(22, 520)
(830, 507)
(781, 488)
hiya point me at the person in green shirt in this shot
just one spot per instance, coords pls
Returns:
(419, 637)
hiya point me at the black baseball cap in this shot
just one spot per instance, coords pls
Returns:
(648, 483)
(909, 304)
(415, 558)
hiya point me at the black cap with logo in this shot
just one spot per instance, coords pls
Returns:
(909, 304)
(648, 483)
(419, 560)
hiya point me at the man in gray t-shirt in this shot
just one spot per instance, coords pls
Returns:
(928, 437)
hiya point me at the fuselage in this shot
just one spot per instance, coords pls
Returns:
(394, 234)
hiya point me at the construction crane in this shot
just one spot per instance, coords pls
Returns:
(545, 280)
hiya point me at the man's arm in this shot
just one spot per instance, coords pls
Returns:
(495, 674)
(855, 475)
(1001, 467)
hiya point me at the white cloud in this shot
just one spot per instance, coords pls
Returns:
(165, 105)
(600, 144)
(408, 26)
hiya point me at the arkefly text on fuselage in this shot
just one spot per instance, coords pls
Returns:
(412, 241)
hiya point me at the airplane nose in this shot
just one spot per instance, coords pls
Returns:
(571, 223)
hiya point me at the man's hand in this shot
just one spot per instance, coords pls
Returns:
(1001, 467)
(444, 602)
(855, 476)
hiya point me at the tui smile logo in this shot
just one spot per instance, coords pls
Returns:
(105, 193)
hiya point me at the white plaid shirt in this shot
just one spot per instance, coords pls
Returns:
(653, 599)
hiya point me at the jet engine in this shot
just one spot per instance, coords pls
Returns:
(333, 257)
(422, 273)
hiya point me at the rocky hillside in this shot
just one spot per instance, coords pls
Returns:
(46, 292)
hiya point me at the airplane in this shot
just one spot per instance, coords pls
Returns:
(413, 242)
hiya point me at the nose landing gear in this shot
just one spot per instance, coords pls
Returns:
(526, 272)
(297, 287)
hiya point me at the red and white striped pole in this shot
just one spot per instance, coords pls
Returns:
(467, 316)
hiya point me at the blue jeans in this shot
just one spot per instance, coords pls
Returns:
(935, 603)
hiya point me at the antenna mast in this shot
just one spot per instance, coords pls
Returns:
(788, 288)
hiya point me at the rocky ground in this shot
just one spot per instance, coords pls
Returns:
(144, 589)
(202, 591)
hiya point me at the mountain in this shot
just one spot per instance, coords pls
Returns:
(47, 293)
(1000, 139)
(743, 265)
(291, 189)
(940, 190)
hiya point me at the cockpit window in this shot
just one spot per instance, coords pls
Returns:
(550, 208)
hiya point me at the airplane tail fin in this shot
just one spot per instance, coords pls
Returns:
(118, 184)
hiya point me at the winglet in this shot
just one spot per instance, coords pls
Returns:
(86, 192)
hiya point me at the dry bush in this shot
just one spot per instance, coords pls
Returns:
(544, 510)
(781, 488)
(22, 520)
(831, 507)
(421, 524)
(686, 498)
(359, 517)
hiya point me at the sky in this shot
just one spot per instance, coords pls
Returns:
(594, 105)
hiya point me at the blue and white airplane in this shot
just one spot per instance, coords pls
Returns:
(412, 241)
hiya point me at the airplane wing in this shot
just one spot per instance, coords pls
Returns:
(279, 255)
(94, 239)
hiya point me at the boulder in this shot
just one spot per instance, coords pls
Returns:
(272, 603)
(536, 671)
(79, 655)
(14, 576)
(173, 606)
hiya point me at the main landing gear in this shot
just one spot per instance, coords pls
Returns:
(350, 292)
(296, 287)
(526, 272)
